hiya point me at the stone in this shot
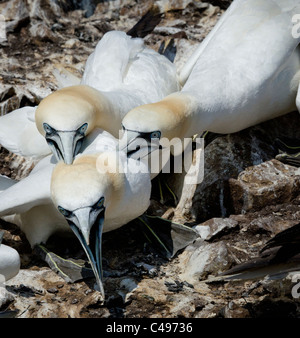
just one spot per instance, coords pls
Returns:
(201, 259)
(268, 183)
(16, 14)
(225, 158)
(5, 296)
(45, 10)
(42, 32)
(215, 227)
(177, 287)
(71, 43)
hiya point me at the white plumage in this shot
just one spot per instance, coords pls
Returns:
(120, 74)
(28, 203)
(123, 67)
(9, 260)
(18, 134)
(246, 71)
(33, 202)
(9, 263)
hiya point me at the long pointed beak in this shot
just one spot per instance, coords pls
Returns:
(65, 145)
(68, 145)
(90, 238)
(127, 138)
(133, 145)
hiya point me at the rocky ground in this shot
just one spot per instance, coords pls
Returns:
(245, 199)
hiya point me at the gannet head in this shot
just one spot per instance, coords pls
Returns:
(147, 126)
(64, 118)
(84, 193)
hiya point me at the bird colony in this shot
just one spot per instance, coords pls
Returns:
(90, 138)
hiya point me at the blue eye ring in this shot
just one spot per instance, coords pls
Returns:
(63, 211)
(155, 134)
(48, 129)
(99, 204)
(81, 130)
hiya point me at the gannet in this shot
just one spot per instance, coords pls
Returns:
(18, 134)
(124, 73)
(9, 261)
(246, 71)
(84, 197)
(119, 75)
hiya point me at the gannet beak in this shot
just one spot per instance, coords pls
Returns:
(133, 144)
(68, 146)
(65, 145)
(88, 228)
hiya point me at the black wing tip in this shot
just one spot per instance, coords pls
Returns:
(147, 23)
(169, 50)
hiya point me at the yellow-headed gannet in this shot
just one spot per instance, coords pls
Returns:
(120, 74)
(18, 131)
(9, 262)
(246, 71)
(84, 197)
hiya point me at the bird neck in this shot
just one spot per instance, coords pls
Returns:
(106, 117)
(178, 110)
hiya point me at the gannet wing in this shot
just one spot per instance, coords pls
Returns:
(18, 134)
(151, 76)
(6, 182)
(19, 197)
(106, 66)
(259, 27)
(188, 67)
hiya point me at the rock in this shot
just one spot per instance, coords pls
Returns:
(167, 30)
(215, 227)
(45, 10)
(234, 310)
(41, 32)
(38, 295)
(171, 5)
(139, 283)
(5, 297)
(71, 43)
(201, 259)
(269, 183)
(225, 158)
(16, 14)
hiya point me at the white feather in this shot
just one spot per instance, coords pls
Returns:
(9, 263)
(248, 69)
(18, 134)
(28, 203)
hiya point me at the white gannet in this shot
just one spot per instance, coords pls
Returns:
(80, 195)
(93, 202)
(18, 131)
(9, 262)
(246, 71)
(18, 134)
(120, 74)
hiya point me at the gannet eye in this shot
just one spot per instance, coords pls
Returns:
(82, 129)
(64, 212)
(99, 204)
(48, 129)
(155, 134)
